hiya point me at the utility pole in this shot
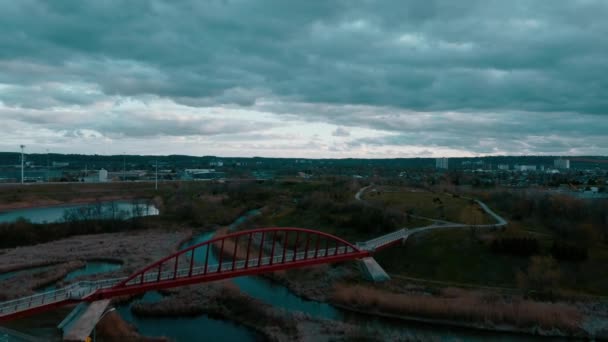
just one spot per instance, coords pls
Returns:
(22, 162)
(156, 178)
(47, 166)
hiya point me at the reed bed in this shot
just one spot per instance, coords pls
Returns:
(467, 306)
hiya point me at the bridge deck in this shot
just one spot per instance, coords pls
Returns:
(82, 290)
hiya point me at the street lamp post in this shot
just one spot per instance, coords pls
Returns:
(22, 162)
(47, 166)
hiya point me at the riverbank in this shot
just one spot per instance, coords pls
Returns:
(482, 310)
(49, 203)
(17, 196)
(223, 300)
(126, 247)
(463, 308)
(29, 283)
(112, 328)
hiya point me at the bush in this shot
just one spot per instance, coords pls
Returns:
(516, 246)
(23, 232)
(568, 252)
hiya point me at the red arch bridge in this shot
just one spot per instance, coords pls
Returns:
(237, 254)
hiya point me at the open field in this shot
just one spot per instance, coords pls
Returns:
(291, 216)
(479, 308)
(441, 206)
(451, 255)
(465, 256)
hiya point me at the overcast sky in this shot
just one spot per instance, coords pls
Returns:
(307, 78)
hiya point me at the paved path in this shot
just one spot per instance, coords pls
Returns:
(404, 233)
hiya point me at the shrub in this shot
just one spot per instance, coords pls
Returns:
(516, 246)
(568, 252)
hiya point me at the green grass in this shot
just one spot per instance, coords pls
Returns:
(451, 256)
(292, 217)
(457, 256)
(425, 203)
(590, 276)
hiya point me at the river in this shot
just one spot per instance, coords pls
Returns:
(58, 213)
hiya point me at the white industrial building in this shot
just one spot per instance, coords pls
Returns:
(99, 177)
(561, 164)
(504, 167)
(103, 175)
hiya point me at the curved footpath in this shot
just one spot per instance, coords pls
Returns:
(441, 224)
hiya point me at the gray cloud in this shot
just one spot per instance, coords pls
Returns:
(340, 132)
(477, 55)
(477, 75)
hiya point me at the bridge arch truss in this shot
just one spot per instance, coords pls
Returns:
(237, 254)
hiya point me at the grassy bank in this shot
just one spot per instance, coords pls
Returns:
(224, 301)
(112, 328)
(473, 308)
(451, 255)
(24, 196)
(466, 256)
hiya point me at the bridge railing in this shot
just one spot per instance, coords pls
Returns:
(384, 239)
(73, 291)
(153, 277)
(260, 250)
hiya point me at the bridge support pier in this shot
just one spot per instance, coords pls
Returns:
(372, 270)
(80, 323)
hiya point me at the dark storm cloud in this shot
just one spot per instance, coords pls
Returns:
(432, 55)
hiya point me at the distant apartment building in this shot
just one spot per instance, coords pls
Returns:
(524, 168)
(441, 163)
(60, 164)
(561, 164)
(103, 175)
(504, 167)
(216, 163)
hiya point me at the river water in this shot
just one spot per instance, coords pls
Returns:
(107, 209)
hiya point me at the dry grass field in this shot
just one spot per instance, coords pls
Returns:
(467, 306)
